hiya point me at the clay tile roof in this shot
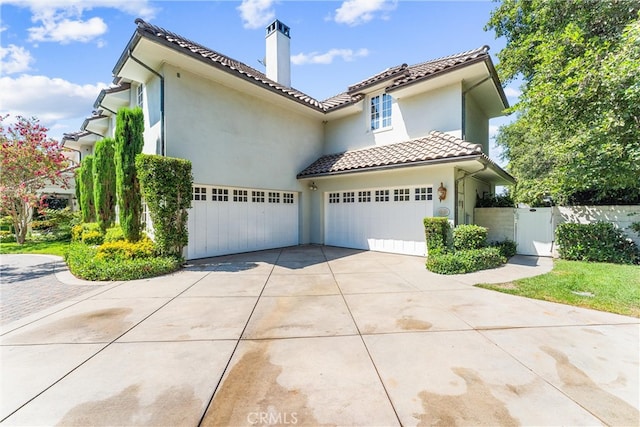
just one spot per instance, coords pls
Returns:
(148, 30)
(430, 68)
(436, 146)
(387, 74)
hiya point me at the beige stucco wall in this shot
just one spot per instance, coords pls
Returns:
(413, 117)
(498, 221)
(477, 124)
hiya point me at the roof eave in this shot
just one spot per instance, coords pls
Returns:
(443, 160)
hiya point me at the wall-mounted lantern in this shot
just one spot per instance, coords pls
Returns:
(442, 192)
(313, 186)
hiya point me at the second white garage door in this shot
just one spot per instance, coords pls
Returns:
(379, 219)
(232, 220)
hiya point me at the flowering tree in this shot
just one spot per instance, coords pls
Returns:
(29, 160)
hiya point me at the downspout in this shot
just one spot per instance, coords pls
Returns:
(457, 183)
(162, 130)
(464, 105)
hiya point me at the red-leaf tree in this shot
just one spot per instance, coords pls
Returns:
(29, 160)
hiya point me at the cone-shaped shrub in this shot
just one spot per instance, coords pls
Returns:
(104, 183)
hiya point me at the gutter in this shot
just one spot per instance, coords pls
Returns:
(162, 126)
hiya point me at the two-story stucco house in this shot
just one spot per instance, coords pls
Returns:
(275, 167)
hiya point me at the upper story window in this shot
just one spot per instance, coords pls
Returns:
(139, 95)
(380, 111)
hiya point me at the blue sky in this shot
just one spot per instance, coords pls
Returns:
(56, 55)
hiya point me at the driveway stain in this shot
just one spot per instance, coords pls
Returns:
(175, 406)
(251, 391)
(477, 406)
(408, 323)
(580, 387)
(99, 325)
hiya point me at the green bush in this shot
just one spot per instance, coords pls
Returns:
(596, 242)
(83, 263)
(469, 236)
(121, 250)
(506, 247)
(438, 233)
(166, 184)
(113, 234)
(104, 182)
(465, 261)
(88, 232)
(7, 236)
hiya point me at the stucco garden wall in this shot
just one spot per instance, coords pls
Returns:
(500, 221)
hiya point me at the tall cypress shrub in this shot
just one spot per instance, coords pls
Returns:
(87, 205)
(104, 182)
(129, 143)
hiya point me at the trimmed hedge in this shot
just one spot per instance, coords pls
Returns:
(84, 263)
(596, 242)
(166, 185)
(122, 250)
(463, 249)
(469, 236)
(466, 261)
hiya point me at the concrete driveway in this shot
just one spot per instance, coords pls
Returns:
(319, 336)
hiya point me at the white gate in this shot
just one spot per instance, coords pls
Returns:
(534, 231)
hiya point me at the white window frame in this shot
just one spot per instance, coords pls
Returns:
(382, 117)
(140, 95)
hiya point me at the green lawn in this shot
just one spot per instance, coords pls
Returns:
(607, 287)
(52, 248)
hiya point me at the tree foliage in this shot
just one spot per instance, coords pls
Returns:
(129, 143)
(87, 203)
(29, 161)
(577, 132)
(166, 185)
(104, 183)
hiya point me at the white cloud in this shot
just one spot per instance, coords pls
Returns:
(62, 21)
(356, 12)
(14, 59)
(49, 99)
(512, 92)
(256, 13)
(65, 31)
(328, 57)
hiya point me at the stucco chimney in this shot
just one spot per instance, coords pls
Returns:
(278, 57)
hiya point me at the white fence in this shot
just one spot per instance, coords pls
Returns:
(501, 222)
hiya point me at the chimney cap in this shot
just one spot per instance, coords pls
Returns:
(278, 26)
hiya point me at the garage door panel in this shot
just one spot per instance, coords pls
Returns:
(226, 220)
(390, 220)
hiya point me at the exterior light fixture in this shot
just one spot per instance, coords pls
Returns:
(313, 186)
(442, 192)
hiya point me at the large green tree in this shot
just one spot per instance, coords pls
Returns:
(104, 182)
(576, 136)
(129, 143)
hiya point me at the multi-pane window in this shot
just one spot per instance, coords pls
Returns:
(364, 196)
(274, 197)
(348, 197)
(199, 193)
(334, 197)
(219, 194)
(140, 95)
(380, 111)
(240, 195)
(257, 196)
(424, 193)
(287, 198)
(401, 195)
(382, 195)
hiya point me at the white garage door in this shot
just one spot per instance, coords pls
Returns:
(381, 219)
(226, 220)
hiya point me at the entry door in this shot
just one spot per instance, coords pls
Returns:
(379, 219)
(534, 231)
